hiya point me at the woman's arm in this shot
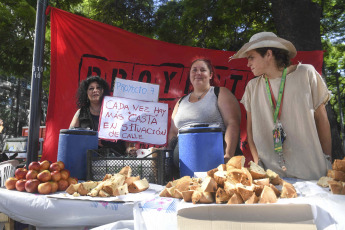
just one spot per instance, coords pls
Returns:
(231, 114)
(323, 129)
(75, 120)
(173, 129)
(251, 143)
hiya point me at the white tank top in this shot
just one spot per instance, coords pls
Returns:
(204, 111)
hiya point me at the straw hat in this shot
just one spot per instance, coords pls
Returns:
(265, 39)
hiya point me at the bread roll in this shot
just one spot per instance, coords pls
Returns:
(323, 181)
(274, 177)
(187, 195)
(288, 191)
(235, 199)
(86, 187)
(138, 186)
(268, 196)
(194, 187)
(257, 171)
(121, 190)
(276, 191)
(222, 196)
(130, 180)
(264, 181)
(220, 178)
(221, 167)
(235, 175)
(112, 184)
(177, 194)
(258, 189)
(245, 191)
(229, 187)
(336, 175)
(171, 191)
(106, 177)
(165, 193)
(72, 188)
(183, 183)
(103, 193)
(196, 196)
(338, 165)
(252, 200)
(94, 192)
(237, 161)
(336, 187)
(209, 185)
(247, 178)
(202, 197)
(229, 167)
(206, 198)
(211, 172)
(126, 171)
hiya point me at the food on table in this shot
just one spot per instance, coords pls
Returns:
(335, 179)
(42, 177)
(231, 183)
(10, 183)
(118, 184)
(323, 181)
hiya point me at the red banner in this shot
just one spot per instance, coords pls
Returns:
(81, 47)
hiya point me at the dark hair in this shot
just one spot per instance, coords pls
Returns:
(214, 81)
(281, 56)
(82, 98)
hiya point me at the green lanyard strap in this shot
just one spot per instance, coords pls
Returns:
(276, 107)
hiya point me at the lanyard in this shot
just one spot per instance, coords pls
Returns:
(276, 106)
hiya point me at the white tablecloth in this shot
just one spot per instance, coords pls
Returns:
(45, 212)
(328, 209)
(150, 213)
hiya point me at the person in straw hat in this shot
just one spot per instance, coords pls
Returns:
(287, 124)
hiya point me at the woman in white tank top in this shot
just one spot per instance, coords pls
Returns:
(202, 106)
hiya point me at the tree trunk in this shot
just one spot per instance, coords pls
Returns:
(299, 22)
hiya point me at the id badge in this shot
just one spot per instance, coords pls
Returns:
(277, 140)
(279, 126)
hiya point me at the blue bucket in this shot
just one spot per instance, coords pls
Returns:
(73, 146)
(200, 149)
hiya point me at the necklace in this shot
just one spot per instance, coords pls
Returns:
(199, 97)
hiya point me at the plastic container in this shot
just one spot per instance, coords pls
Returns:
(200, 149)
(73, 146)
(156, 168)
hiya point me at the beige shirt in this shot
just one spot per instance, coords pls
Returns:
(305, 91)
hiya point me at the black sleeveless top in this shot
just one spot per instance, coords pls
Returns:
(87, 120)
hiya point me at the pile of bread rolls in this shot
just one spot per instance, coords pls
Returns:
(120, 183)
(335, 179)
(231, 183)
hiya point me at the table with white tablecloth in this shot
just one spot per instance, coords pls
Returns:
(54, 211)
(148, 212)
(328, 210)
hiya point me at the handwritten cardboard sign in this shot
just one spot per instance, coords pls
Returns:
(132, 120)
(136, 90)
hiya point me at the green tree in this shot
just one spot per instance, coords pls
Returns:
(223, 24)
(131, 15)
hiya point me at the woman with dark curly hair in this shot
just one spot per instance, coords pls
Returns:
(89, 103)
